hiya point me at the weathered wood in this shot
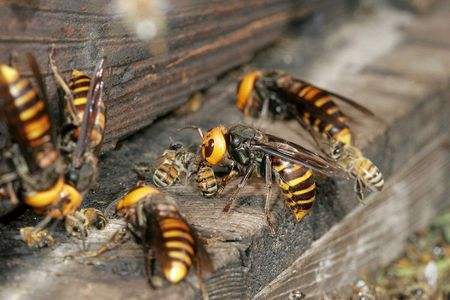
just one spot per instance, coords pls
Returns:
(204, 39)
(247, 257)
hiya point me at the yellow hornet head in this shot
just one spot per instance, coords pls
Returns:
(69, 201)
(244, 95)
(132, 197)
(214, 145)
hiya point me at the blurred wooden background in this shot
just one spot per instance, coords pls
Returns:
(204, 39)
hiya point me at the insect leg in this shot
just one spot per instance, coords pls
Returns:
(68, 93)
(313, 135)
(241, 184)
(268, 181)
(359, 189)
(225, 180)
(119, 237)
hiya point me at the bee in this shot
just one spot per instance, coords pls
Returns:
(174, 164)
(81, 137)
(207, 181)
(248, 150)
(154, 219)
(280, 95)
(33, 153)
(177, 163)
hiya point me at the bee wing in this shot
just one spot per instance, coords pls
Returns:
(300, 155)
(349, 101)
(153, 238)
(94, 96)
(42, 90)
(204, 263)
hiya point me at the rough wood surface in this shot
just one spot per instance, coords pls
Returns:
(398, 74)
(204, 39)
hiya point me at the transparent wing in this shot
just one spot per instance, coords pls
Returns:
(94, 96)
(297, 154)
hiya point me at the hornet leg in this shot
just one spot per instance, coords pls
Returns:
(267, 205)
(230, 203)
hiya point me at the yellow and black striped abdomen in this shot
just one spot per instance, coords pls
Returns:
(336, 126)
(179, 248)
(79, 85)
(207, 181)
(28, 118)
(298, 186)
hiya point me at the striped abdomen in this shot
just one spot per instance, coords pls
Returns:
(79, 85)
(206, 181)
(321, 101)
(298, 186)
(28, 119)
(365, 170)
(167, 172)
(178, 246)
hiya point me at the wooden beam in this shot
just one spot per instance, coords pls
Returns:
(204, 39)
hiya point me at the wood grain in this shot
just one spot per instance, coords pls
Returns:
(204, 39)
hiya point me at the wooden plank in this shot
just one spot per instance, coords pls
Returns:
(204, 39)
(246, 256)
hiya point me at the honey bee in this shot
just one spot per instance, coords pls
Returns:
(248, 150)
(178, 163)
(207, 181)
(33, 152)
(81, 137)
(280, 95)
(154, 219)
(175, 163)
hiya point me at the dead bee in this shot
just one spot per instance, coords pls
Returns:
(154, 220)
(33, 153)
(280, 95)
(81, 137)
(178, 163)
(248, 150)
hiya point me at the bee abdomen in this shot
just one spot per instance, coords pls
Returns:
(179, 248)
(165, 175)
(206, 181)
(372, 176)
(298, 186)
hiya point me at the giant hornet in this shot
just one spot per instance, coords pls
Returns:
(34, 155)
(248, 150)
(280, 95)
(83, 118)
(171, 246)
